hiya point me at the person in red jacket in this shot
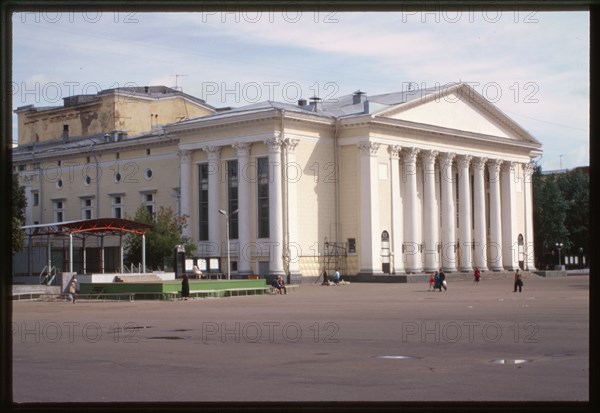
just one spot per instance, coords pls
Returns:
(477, 275)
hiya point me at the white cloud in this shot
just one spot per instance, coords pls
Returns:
(375, 52)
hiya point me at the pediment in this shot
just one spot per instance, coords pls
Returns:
(460, 108)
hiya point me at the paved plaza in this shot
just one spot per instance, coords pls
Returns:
(358, 342)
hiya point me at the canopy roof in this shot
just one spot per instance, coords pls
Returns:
(96, 227)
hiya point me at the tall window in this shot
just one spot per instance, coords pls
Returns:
(232, 197)
(148, 201)
(117, 206)
(456, 202)
(263, 197)
(472, 202)
(58, 211)
(86, 208)
(203, 201)
(486, 179)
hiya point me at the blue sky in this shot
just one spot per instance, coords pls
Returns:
(533, 65)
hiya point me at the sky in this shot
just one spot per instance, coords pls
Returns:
(533, 65)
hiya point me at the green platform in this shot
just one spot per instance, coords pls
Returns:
(160, 290)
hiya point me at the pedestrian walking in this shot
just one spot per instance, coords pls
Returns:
(73, 290)
(185, 287)
(432, 281)
(437, 283)
(443, 280)
(477, 275)
(518, 282)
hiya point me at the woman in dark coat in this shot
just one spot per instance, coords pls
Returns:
(185, 287)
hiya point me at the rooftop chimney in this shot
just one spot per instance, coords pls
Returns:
(302, 102)
(313, 101)
(357, 97)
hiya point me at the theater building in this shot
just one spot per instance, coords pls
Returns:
(398, 183)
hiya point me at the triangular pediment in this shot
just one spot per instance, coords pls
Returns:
(460, 108)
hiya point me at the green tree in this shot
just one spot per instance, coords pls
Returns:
(161, 239)
(575, 187)
(550, 211)
(19, 202)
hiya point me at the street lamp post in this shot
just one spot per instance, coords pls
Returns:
(227, 216)
(559, 246)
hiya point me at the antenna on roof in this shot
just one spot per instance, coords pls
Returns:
(177, 76)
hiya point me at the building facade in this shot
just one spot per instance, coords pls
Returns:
(398, 183)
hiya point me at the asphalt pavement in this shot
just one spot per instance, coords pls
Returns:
(357, 342)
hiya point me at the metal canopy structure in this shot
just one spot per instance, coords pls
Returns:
(100, 227)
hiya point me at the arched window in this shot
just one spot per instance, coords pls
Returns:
(521, 251)
(385, 252)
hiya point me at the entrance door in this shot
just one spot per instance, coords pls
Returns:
(385, 252)
(521, 252)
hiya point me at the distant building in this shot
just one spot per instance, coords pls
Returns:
(128, 111)
(583, 169)
(371, 185)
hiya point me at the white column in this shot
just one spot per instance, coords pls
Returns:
(292, 175)
(430, 212)
(121, 255)
(185, 189)
(397, 224)
(244, 255)
(448, 215)
(529, 243)
(275, 207)
(70, 252)
(465, 224)
(480, 254)
(369, 209)
(510, 259)
(215, 220)
(495, 245)
(413, 238)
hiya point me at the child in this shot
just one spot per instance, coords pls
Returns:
(431, 281)
(477, 275)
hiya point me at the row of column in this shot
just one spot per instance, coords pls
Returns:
(216, 223)
(416, 242)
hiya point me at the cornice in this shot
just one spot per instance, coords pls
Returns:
(54, 111)
(100, 149)
(202, 123)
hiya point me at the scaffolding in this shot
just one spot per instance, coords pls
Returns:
(334, 255)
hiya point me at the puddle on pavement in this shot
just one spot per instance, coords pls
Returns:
(397, 357)
(560, 355)
(510, 361)
(127, 328)
(168, 338)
